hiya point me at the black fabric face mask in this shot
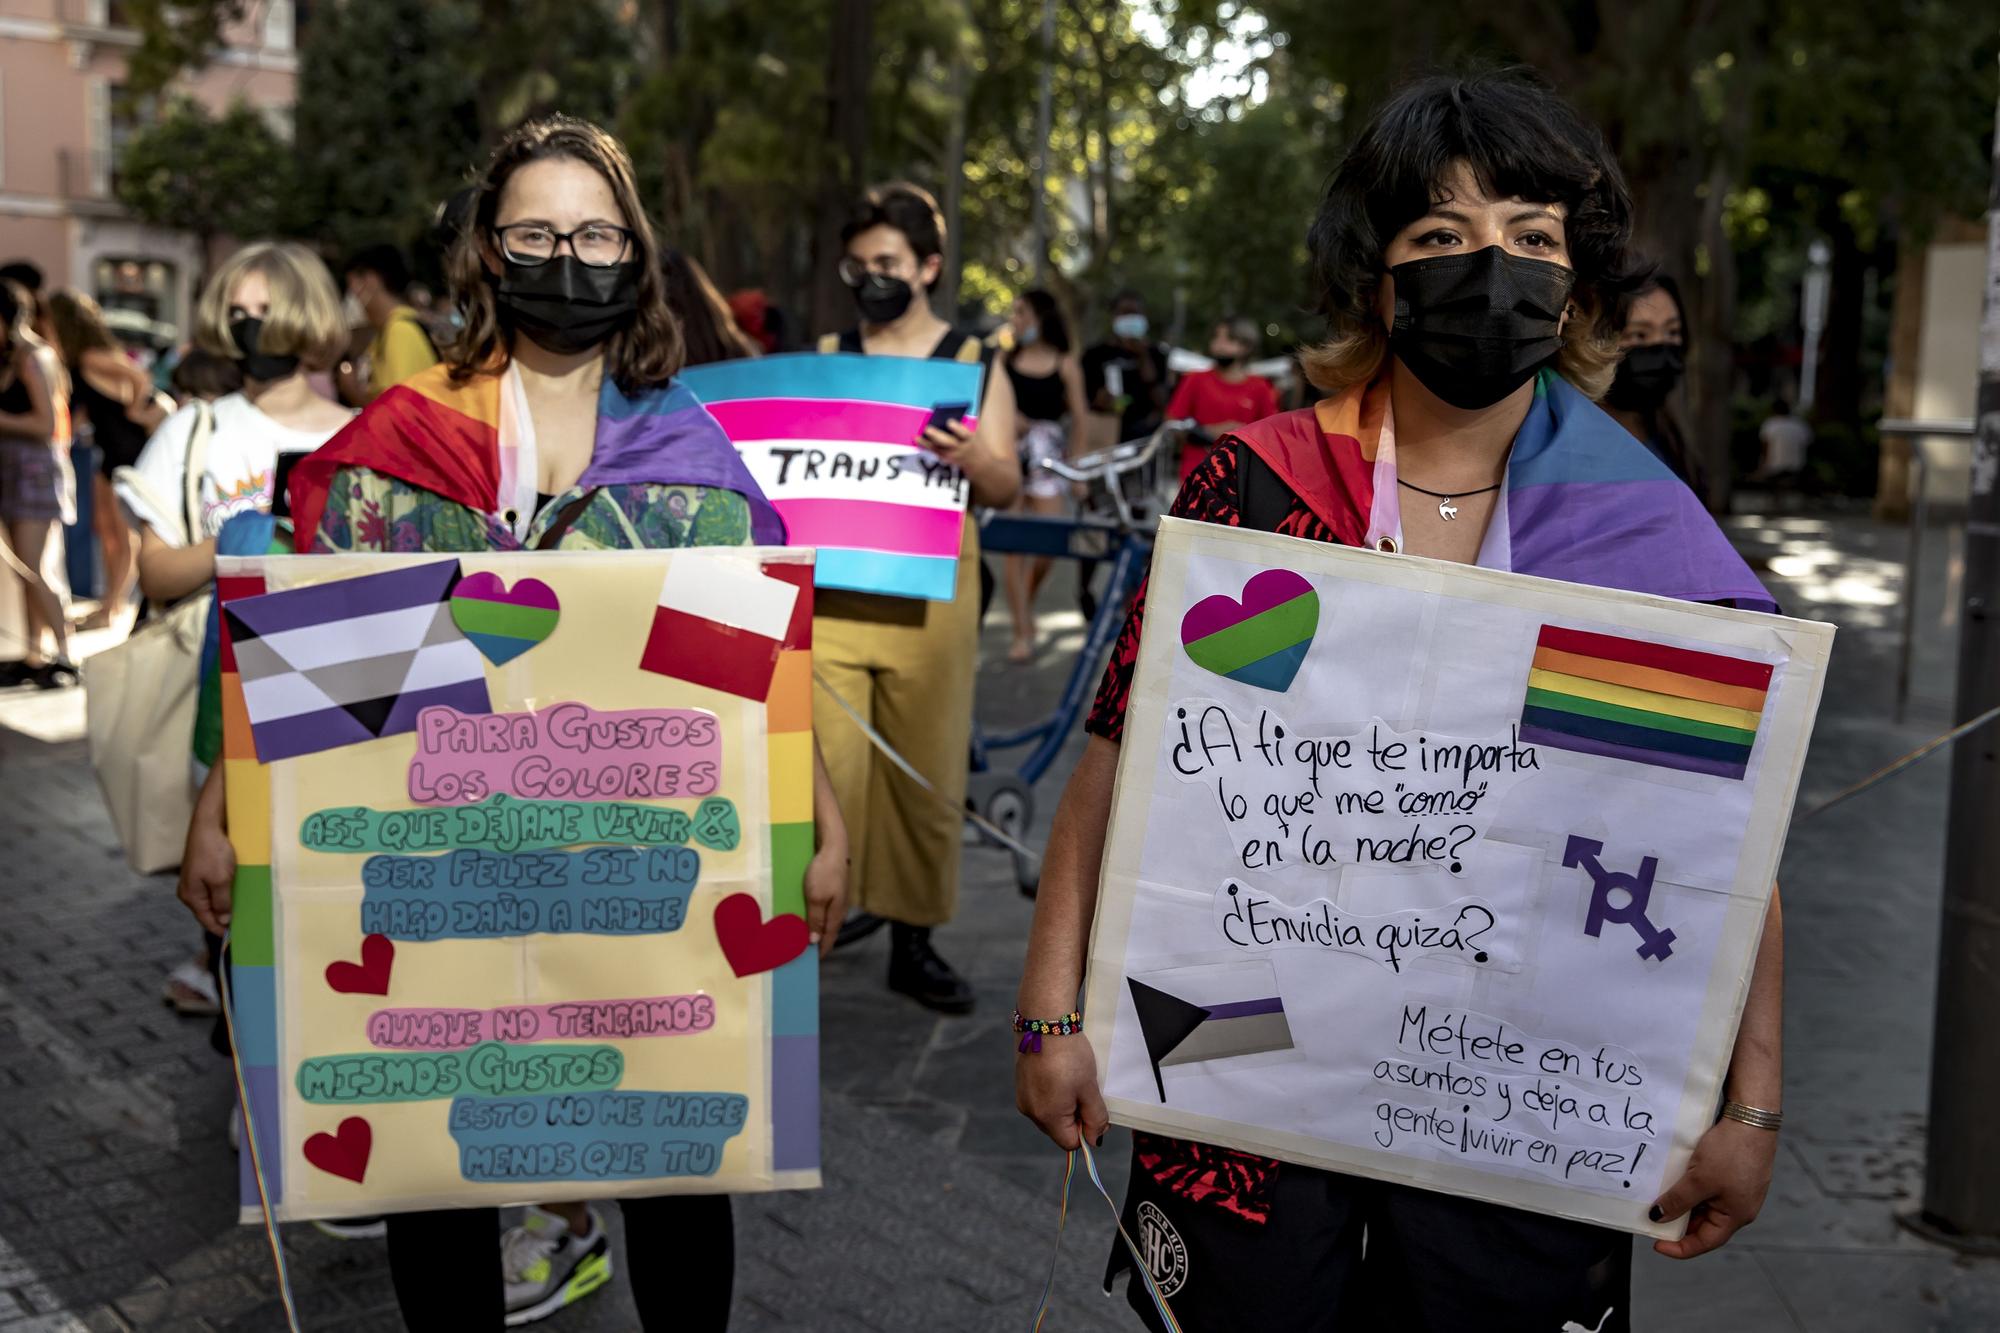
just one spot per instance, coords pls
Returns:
(883, 299)
(1646, 376)
(565, 305)
(1474, 328)
(247, 333)
(1224, 362)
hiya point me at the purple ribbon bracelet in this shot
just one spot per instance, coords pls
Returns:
(1033, 1029)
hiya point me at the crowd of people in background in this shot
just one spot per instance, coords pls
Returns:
(551, 263)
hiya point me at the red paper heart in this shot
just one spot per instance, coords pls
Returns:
(370, 976)
(752, 944)
(344, 1152)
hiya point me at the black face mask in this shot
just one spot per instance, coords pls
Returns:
(1224, 362)
(247, 333)
(565, 305)
(1474, 328)
(1646, 376)
(883, 299)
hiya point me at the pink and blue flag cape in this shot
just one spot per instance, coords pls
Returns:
(832, 439)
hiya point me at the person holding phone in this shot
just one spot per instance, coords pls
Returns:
(906, 665)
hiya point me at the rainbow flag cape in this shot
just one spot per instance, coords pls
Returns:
(462, 440)
(1585, 502)
(833, 440)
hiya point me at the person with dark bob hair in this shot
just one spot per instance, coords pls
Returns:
(567, 327)
(1511, 140)
(1466, 253)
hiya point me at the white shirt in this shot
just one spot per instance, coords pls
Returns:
(1785, 439)
(241, 456)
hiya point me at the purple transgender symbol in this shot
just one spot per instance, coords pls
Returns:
(1633, 891)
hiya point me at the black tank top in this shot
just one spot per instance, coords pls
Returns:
(1038, 397)
(118, 437)
(14, 399)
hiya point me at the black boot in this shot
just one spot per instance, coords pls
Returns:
(858, 927)
(916, 971)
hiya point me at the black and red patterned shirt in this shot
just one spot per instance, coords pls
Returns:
(1237, 1182)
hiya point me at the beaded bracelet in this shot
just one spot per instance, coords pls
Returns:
(1031, 1029)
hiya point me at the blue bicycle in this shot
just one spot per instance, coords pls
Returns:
(1127, 488)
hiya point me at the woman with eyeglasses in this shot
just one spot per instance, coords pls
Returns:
(904, 664)
(553, 423)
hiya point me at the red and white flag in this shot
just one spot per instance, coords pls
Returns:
(720, 623)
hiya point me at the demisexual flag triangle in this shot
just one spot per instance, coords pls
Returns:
(349, 661)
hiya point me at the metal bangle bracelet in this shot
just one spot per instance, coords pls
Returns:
(1755, 1117)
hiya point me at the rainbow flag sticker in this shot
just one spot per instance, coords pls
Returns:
(1644, 702)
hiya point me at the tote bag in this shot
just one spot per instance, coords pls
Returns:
(139, 702)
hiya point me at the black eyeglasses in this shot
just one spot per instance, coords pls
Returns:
(596, 244)
(854, 271)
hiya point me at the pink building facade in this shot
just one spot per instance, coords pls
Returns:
(63, 125)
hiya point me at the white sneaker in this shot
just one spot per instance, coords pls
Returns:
(546, 1266)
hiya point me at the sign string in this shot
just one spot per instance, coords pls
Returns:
(875, 738)
(250, 1147)
(1062, 1221)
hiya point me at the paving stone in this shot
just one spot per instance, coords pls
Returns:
(940, 1203)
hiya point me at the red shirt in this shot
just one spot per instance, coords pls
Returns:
(1212, 400)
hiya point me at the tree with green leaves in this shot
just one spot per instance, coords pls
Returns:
(1690, 92)
(387, 118)
(213, 176)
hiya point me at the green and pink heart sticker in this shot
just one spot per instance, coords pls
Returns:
(1259, 640)
(504, 622)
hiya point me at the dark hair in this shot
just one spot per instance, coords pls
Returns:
(1519, 140)
(1656, 282)
(26, 275)
(709, 331)
(1668, 437)
(1049, 319)
(1125, 294)
(1781, 408)
(385, 262)
(642, 355)
(203, 374)
(79, 327)
(14, 312)
(903, 207)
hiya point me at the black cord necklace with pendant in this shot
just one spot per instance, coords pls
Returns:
(1446, 509)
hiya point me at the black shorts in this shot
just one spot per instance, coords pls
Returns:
(1343, 1254)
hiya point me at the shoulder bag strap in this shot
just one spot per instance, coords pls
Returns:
(195, 462)
(571, 512)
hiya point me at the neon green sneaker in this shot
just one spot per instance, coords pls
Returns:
(547, 1266)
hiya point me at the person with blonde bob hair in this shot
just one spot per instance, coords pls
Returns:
(272, 309)
(553, 423)
(1464, 252)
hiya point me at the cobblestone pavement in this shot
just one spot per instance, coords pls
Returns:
(117, 1187)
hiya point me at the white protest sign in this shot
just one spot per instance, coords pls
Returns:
(1439, 875)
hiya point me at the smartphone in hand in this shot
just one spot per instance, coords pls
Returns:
(943, 414)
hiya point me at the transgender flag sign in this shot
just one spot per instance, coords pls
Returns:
(833, 440)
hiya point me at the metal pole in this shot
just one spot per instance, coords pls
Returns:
(1044, 117)
(1913, 565)
(1962, 1172)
